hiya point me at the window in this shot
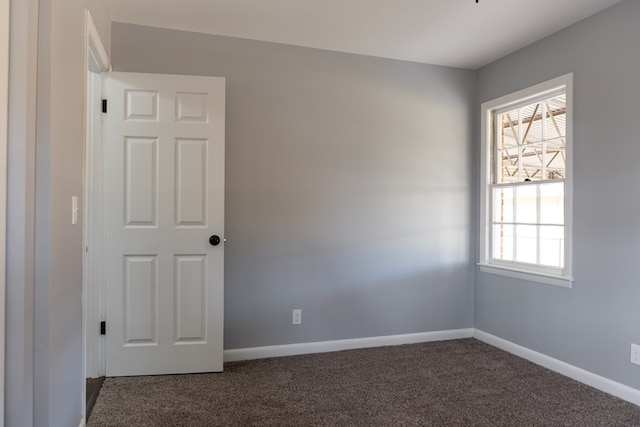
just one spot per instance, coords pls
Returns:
(526, 184)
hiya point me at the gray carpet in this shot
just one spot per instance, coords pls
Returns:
(460, 382)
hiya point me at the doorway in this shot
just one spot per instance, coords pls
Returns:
(178, 311)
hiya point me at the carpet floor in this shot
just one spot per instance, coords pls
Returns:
(460, 382)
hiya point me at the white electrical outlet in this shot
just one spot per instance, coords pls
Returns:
(635, 354)
(297, 317)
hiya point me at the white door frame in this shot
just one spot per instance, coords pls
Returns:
(97, 61)
(4, 104)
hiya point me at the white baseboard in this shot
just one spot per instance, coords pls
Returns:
(601, 383)
(237, 354)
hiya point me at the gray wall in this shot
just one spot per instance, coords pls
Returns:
(20, 210)
(348, 186)
(44, 380)
(592, 325)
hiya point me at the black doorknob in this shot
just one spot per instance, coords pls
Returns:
(214, 240)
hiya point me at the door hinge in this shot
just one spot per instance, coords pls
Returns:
(104, 105)
(103, 328)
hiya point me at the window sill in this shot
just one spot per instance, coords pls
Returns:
(547, 279)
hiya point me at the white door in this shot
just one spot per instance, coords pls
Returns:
(164, 199)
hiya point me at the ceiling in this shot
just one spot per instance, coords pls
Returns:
(456, 33)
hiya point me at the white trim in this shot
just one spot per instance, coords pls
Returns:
(97, 57)
(82, 423)
(486, 114)
(97, 61)
(93, 255)
(4, 120)
(250, 353)
(514, 273)
(601, 383)
(530, 93)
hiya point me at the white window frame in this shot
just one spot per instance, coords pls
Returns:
(514, 269)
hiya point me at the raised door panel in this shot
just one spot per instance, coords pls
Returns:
(190, 298)
(191, 182)
(141, 181)
(140, 289)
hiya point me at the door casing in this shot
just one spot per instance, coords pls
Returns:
(97, 62)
